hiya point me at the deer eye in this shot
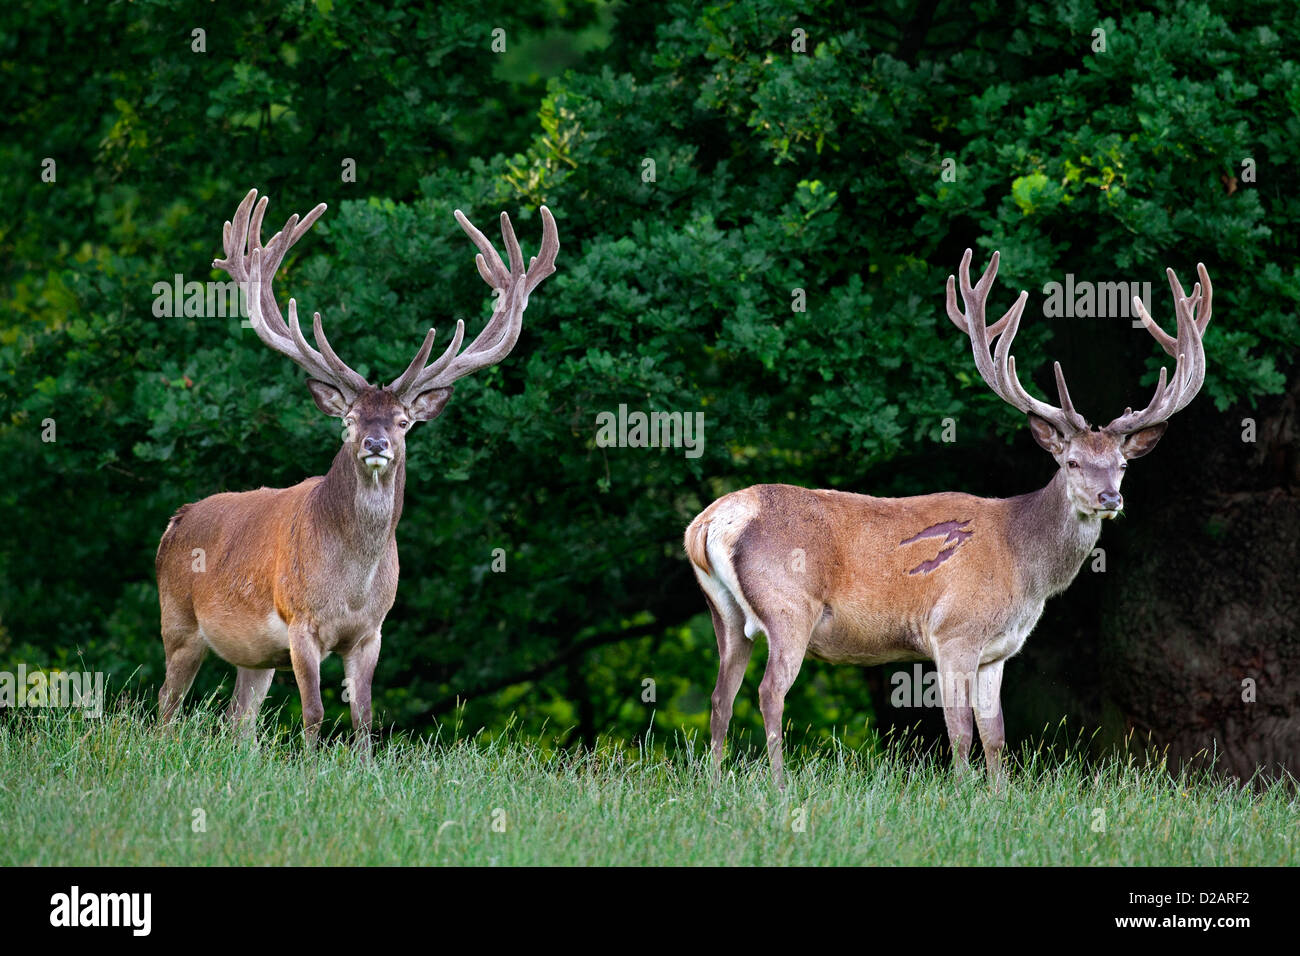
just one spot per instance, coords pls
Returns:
(1123, 466)
(403, 424)
(1072, 463)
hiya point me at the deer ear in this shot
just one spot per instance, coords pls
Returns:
(1046, 435)
(429, 405)
(1138, 443)
(328, 398)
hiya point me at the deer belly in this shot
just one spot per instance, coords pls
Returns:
(850, 636)
(246, 640)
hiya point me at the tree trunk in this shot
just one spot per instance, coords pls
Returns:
(1200, 632)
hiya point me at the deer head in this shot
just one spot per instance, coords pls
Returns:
(1092, 460)
(376, 419)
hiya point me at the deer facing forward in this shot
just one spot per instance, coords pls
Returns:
(282, 577)
(948, 577)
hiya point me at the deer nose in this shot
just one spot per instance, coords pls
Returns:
(1111, 500)
(375, 445)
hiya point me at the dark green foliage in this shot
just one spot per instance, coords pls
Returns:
(774, 171)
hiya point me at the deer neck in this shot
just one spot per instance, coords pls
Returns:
(1051, 537)
(356, 514)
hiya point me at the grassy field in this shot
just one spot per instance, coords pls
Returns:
(115, 790)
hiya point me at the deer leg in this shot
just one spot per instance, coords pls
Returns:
(956, 676)
(734, 649)
(185, 650)
(786, 644)
(304, 653)
(251, 685)
(359, 672)
(988, 717)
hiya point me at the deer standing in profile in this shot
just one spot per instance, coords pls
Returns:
(948, 577)
(282, 577)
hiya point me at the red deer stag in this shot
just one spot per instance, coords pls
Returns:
(947, 577)
(283, 577)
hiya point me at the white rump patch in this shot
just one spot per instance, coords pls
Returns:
(724, 528)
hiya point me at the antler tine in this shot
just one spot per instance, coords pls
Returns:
(1207, 303)
(402, 381)
(253, 224)
(543, 264)
(492, 333)
(502, 330)
(1063, 393)
(405, 382)
(490, 266)
(331, 357)
(272, 256)
(955, 315)
(999, 370)
(505, 324)
(512, 245)
(1167, 341)
(253, 265)
(234, 234)
(449, 353)
(1064, 416)
(1187, 347)
(489, 346)
(307, 358)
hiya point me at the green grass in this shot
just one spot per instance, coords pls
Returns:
(116, 790)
